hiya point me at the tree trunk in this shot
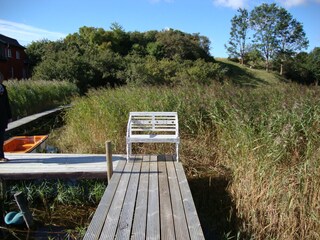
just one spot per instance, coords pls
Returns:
(281, 69)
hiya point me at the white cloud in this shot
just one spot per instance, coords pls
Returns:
(230, 3)
(292, 3)
(25, 34)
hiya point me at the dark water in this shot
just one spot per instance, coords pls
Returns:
(65, 222)
(215, 208)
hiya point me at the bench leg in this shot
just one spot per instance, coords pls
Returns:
(177, 152)
(129, 151)
(128, 156)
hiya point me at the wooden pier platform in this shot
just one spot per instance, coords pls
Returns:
(147, 198)
(23, 121)
(55, 165)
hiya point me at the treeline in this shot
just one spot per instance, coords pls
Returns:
(94, 57)
(269, 36)
(304, 67)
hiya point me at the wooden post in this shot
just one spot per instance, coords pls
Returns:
(109, 160)
(3, 196)
(23, 206)
(2, 190)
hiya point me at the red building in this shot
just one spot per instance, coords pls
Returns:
(13, 59)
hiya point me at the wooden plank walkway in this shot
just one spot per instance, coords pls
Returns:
(147, 198)
(28, 119)
(49, 165)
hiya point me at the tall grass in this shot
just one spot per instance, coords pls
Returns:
(265, 140)
(53, 192)
(272, 149)
(29, 97)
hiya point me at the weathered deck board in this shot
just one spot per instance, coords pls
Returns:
(152, 200)
(37, 165)
(194, 226)
(153, 216)
(111, 223)
(94, 230)
(140, 215)
(166, 216)
(180, 221)
(126, 217)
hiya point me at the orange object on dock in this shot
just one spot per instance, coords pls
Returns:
(24, 144)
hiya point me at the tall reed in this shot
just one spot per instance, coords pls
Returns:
(265, 140)
(28, 96)
(272, 143)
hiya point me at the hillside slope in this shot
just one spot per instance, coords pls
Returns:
(246, 76)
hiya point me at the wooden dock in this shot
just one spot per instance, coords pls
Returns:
(23, 121)
(49, 165)
(147, 198)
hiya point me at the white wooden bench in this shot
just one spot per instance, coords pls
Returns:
(152, 127)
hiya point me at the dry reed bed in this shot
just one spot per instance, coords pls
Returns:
(265, 139)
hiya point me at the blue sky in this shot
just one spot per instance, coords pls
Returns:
(34, 20)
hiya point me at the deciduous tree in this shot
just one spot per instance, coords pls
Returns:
(264, 20)
(238, 35)
(277, 33)
(291, 36)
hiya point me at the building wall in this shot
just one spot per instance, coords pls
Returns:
(14, 65)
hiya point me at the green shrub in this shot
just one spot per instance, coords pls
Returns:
(170, 72)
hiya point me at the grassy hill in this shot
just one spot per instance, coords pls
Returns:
(246, 76)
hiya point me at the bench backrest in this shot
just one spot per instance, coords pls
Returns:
(165, 123)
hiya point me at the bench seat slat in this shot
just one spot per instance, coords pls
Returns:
(150, 129)
(151, 113)
(156, 121)
(153, 138)
(149, 125)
